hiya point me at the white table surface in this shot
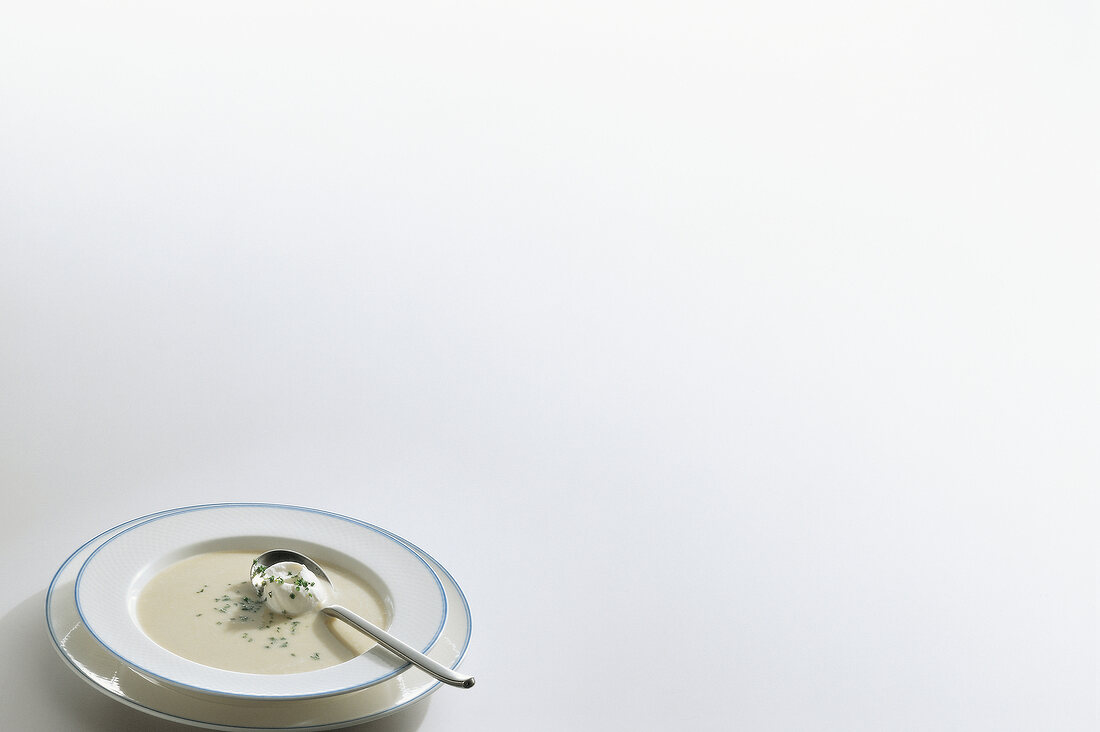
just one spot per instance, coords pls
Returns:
(738, 359)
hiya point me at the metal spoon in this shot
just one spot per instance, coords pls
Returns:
(384, 639)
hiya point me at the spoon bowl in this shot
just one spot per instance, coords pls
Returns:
(275, 556)
(392, 644)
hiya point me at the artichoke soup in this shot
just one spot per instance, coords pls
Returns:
(205, 609)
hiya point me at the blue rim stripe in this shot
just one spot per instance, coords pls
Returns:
(163, 715)
(190, 509)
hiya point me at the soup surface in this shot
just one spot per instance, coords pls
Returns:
(205, 609)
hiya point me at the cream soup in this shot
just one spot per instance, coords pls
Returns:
(205, 609)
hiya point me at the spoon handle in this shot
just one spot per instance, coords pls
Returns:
(405, 651)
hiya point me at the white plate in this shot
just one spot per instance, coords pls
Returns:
(114, 574)
(108, 674)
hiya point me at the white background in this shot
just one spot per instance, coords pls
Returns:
(740, 360)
